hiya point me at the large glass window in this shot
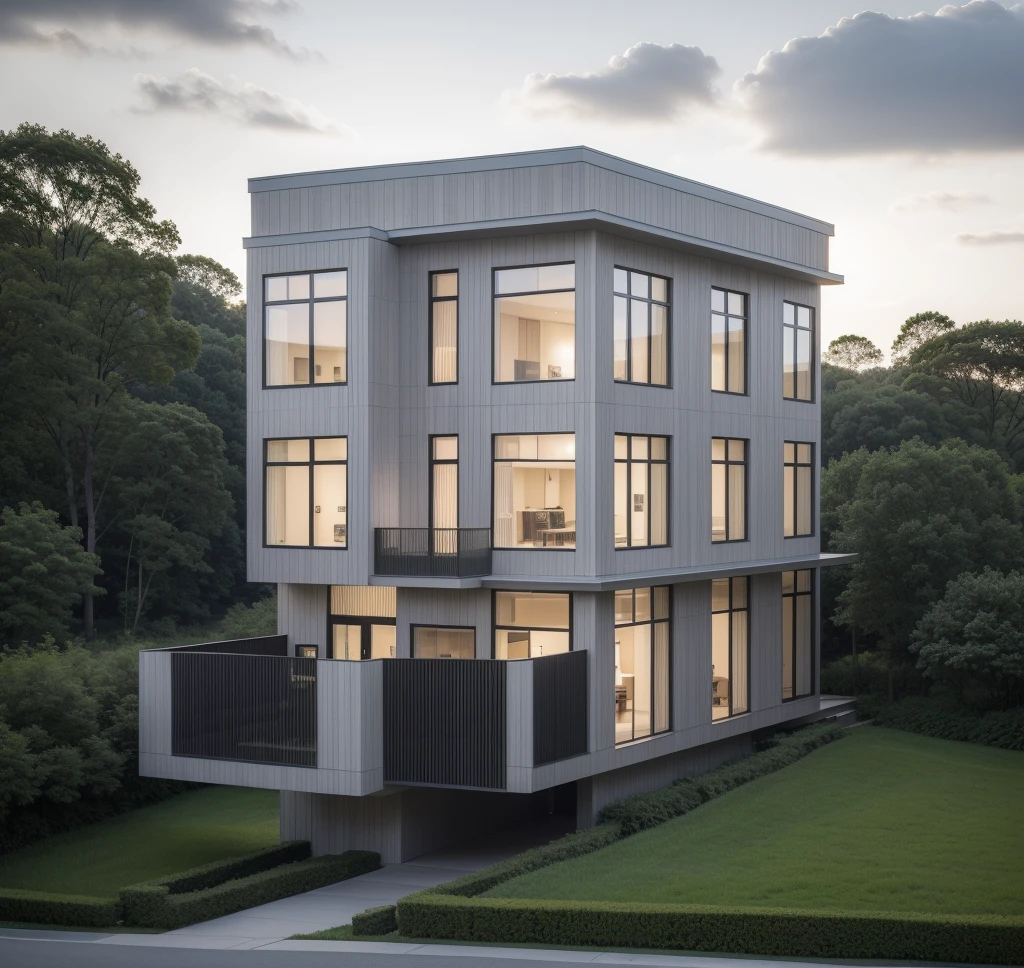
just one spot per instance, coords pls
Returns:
(429, 642)
(641, 491)
(728, 489)
(728, 341)
(444, 327)
(362, 622)
(535, 323)
(797, 634)
(306, 492)
(305, 329)
(642, 677)
(730, 647)
(797, 352)
(528, 625)
(797, 488)
(444, 494)
(641, 327)
(535, 491)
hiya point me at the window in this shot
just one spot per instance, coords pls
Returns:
(797, 634)
(641, 327)
(642, 678)
(306, 492)
(535, 323)
(797, 352)
(535, 491)
(528, 625)
(728, 489)
(641, 491)
(444, 494)
(444, 327)
(730, 652)
(728, 341)
(361, 623)
(443, 643)
(798, 488)
(305, 329)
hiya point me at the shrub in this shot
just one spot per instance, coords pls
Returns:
(37, 907)
(943, 720)
(153, 905)
(376, 921)
(250, 621)
(837, 678)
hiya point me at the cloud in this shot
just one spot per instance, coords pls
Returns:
(946, 201)
(223, 23)
(992, 238)
(647, 83)
(875, 84)
(248, 104)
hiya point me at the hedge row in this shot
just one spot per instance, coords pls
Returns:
(935, 717)
(154, 906)
(37, 907)
(375, 922)
(799, 934)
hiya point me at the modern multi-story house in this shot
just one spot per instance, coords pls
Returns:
(533, 464)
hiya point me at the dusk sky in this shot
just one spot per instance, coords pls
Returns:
(904, 128)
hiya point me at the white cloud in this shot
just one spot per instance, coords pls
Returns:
(991, 238)
(944, 201)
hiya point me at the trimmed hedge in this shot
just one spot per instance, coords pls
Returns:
(935, 717)
(375, 922)
(687, 927)
(153, 905)
(72, 910)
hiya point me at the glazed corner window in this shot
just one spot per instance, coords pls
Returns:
(797, 488)
(797, 352)
(728, 489)
(444, 327)
(535, 491)
(528, 625)
(429, 642)
(730, 653)
(535, 323)
(641, 327)
(306, 492)
(797, 634)
(728, 341)
(641, 663)
(305, 329)
(641, 491)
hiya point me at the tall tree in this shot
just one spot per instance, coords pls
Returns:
(853, 353)
(918, 329)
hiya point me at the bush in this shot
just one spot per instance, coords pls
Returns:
(375, 922)
(837, 677)
(153, 905)
(251, 621)
(944, 720)
(788, 933)
(36, 907)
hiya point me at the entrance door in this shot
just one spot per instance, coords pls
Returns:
(359, 639)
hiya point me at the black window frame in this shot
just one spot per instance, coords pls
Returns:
(629, 461)
(311, 463)
(786, 336)
(745, 392)
(789, 601)
(795, 465)
(433, 462)
(295, 302)
(651, 301)
(731, 611)
(727, 462)
(426, 625)
(652, 622)
(432, 300)
(495, 627)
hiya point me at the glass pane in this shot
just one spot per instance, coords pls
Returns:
(659, 345)
(556, 446)
(444, 284)
(329, 353)
(662, 682)
(535, 338)
(535, 278)
(287, 345)
(287, 499)
(737, 304)
(740, 683)
(788, 314)
(276, 288)
(382, 641)
(446, 341)
(378, 601)
(533, 609)
(623, 606)
(721, 682)
(787, 648)
(557, 277)
(718, 502)
(788, 501)
(803, 364)
(639, 331)
(431, 643)
(446, 505)
(718, 353)
(718, 448)
(661, 594)
(717, 301)
(640, 680)
(659, 448)
(787, 581)
(719, 594)
(348, 642)
(803, 645)
(328, 285)
(803, 501)
(803, 317)
(803, 581)
(330, 448)
(642, 604)
(659, 289)
(290, 451)
(788, 453)
(659, 504)
(737, 449)
(803, 452)
(737, 503)
(639, 284)
(638, 446)
(621, 446)
(788, 363)
(619, 281)
(446, 448)
(737, 359)
(621, 334)
(739, 592)
(329, 510)
(621, 515)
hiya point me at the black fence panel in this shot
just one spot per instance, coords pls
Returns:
(432, 552)
(260, 645)
(255, 708)
(445, 722)
(559, 707)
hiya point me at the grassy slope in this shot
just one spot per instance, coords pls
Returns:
(186, 831)
(882, 821)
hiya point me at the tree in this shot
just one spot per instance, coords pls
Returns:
(915, 331)
(853, 353)
(976, 634)
(44, 571)
(206, 273)
(203, 292)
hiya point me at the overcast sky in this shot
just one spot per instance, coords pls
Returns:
(904, 128)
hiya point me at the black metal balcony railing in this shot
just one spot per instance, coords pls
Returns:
(432, 552)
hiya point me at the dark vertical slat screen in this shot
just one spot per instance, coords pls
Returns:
(445, 722)
(260, 645)
(559, 707)
(432, 552)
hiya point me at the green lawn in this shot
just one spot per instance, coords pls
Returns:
(186, 831)
(883, 820)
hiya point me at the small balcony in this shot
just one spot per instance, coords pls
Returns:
(432, 552)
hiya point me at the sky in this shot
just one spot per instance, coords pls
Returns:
(902, 126)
